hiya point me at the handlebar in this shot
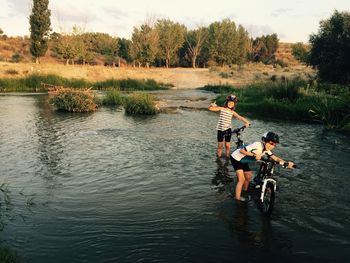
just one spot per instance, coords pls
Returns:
(238, 130)
(269, 160)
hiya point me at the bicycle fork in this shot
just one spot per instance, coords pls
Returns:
(265, 182)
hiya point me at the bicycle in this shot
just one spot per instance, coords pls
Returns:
(263, 185)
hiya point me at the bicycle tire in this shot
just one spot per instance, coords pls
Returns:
(268, 200)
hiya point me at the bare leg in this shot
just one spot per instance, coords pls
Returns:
(247, 176)
(227, 146)
(240, 183)
(219, 150)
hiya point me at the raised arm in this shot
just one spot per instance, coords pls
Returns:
(214, 107)
(242, 119)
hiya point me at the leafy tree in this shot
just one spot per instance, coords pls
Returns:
(244, 45)
(227, 44)
(1, 31)
(64, 48)
(171, 37)
(145, 44)
(264, 48)
(39, 28)
(300, 52)
(195, 41)
(124, 49)
(330, 49)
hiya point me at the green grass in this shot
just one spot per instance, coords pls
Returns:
(113, 98)
(34, 83)
(130, 85)
(292, 100)
(140, 103)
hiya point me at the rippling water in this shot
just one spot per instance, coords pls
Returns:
(106, 187)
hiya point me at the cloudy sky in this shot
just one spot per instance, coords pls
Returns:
(292, 20)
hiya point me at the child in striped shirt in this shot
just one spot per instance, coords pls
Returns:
(224, 126)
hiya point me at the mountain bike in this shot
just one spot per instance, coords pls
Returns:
(264, 184)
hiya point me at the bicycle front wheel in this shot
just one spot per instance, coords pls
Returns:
(268, 200)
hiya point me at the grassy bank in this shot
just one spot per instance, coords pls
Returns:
(35, 83)
(292, 100)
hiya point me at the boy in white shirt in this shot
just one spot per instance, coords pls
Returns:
(250, 153)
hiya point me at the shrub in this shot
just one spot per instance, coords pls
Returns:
(140, 103)
(17, 57)
(130, 84)
(113, 98)
(73, 100)
(11, 72)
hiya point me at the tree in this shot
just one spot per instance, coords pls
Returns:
(264, 48)
(171, 37)
(224, 42)
(125, 49)
(330, 49)
(195, 40)
(39, 28)
(300, 52)
(145, 44)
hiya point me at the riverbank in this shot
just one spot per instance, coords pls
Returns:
(178, 78)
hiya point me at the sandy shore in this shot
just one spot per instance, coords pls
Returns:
(180, 78)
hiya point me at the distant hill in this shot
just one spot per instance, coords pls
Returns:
(13, 48)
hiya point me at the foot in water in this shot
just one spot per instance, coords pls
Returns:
(244, 199)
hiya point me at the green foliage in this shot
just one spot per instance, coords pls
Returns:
(171, 37)
(264, 48)
(145, 44)
(333, 113)
(130, 84)
(39, 27)
(292, 100)
(193, 47)
(140, 103)
(113, 98)
(330, 49)
(300, 52)
(227, 44)
(124, 50)
(74, 100)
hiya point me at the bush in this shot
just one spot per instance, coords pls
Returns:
(140, 103)
(113, 98)
(73, 100)
(11, 72)
(130, 84)
(17, 57)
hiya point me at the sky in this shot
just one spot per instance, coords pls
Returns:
(292, 20)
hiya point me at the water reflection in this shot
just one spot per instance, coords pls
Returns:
(223, 181)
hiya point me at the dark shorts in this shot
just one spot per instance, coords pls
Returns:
(227, 134)
(237, 165)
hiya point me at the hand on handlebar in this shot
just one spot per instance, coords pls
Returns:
(257, 157)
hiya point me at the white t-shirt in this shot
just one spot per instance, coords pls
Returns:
(256, 147)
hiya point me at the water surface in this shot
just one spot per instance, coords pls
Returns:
(107, 187)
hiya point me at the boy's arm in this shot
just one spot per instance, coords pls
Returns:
(281, 161)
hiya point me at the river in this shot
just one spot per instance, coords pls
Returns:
(107, 187)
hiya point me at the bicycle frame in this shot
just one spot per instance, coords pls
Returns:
(265, 176)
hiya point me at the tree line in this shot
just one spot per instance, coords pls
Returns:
(164, 43)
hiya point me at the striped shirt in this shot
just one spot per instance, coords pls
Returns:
(225, 119)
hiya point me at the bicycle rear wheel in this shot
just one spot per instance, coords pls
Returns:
(268, 200)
